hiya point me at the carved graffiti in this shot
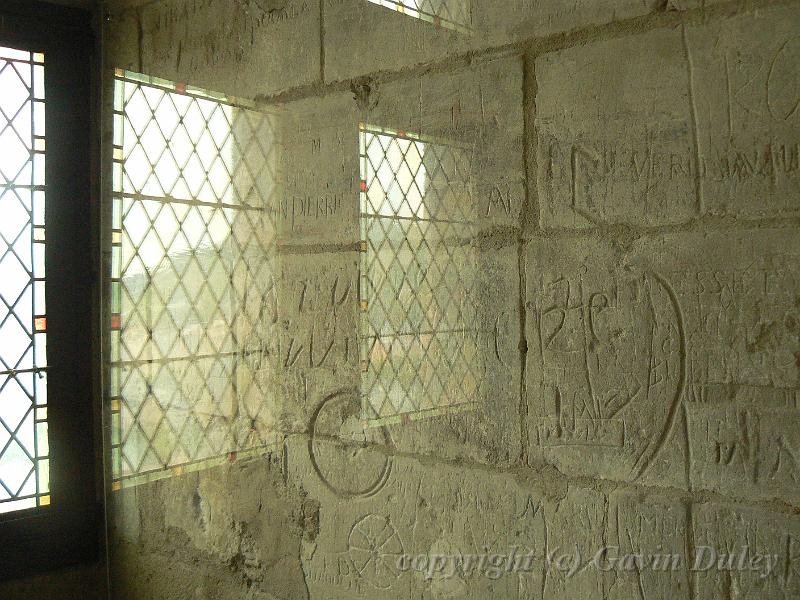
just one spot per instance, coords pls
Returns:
(610, 363)
(340, 451)
(374, 547)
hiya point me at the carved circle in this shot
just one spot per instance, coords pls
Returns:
(340, 448)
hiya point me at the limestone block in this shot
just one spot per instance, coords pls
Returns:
(551, 541)
(240, 48)
(740, 311)
(712, 129)
(624, 341)
(319, 167)
(748, 449)
(614, 133)
(121, 41)
(364, 37)
(306, 342)
(691, 4)
(474, 115)
(646, 548)
(575, 527)
(743, 553)
(237, 520)
(604, 361)
(126, 524)
(422, 510)
(747, 104)
(518, 20)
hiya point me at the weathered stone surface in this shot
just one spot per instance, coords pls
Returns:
(604, 361)
(622, 341)
(647, 540)
(489, 431)
(362, 37)
(319, 171)
(713, 130)
(614, 134)
(237, 524)
(237, 47)
(421, 510)
(551, 541)
(121, 42)
(307, 343)
(661, 374)
(746, 446)
(746, 92)
(476, 112)
(691, 4)
(523, 19)
(743, 553)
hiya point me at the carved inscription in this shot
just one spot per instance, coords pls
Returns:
(214, 43)
(774, 537)
(608, 363)
(685, 355)
(318, 172)
(716, 129)
(307, 319)
(747, 92)
(581, 432)
(744, 450)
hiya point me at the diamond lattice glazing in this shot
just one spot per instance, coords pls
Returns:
(24, 448)
(419, 350)
(192, 258)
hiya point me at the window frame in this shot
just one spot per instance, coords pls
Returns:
(68, 531)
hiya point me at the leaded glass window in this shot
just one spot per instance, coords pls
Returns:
(192, 249)
(24, 452)
(420, 352)
(452, 14)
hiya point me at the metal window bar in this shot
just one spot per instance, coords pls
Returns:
(419, 350)
(192, 257)
(24, 448)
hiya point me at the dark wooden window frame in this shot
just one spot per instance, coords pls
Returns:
(68, 531)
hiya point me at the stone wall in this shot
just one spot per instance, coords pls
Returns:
(632, 189)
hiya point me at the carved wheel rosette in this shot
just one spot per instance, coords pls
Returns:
(374, 547)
